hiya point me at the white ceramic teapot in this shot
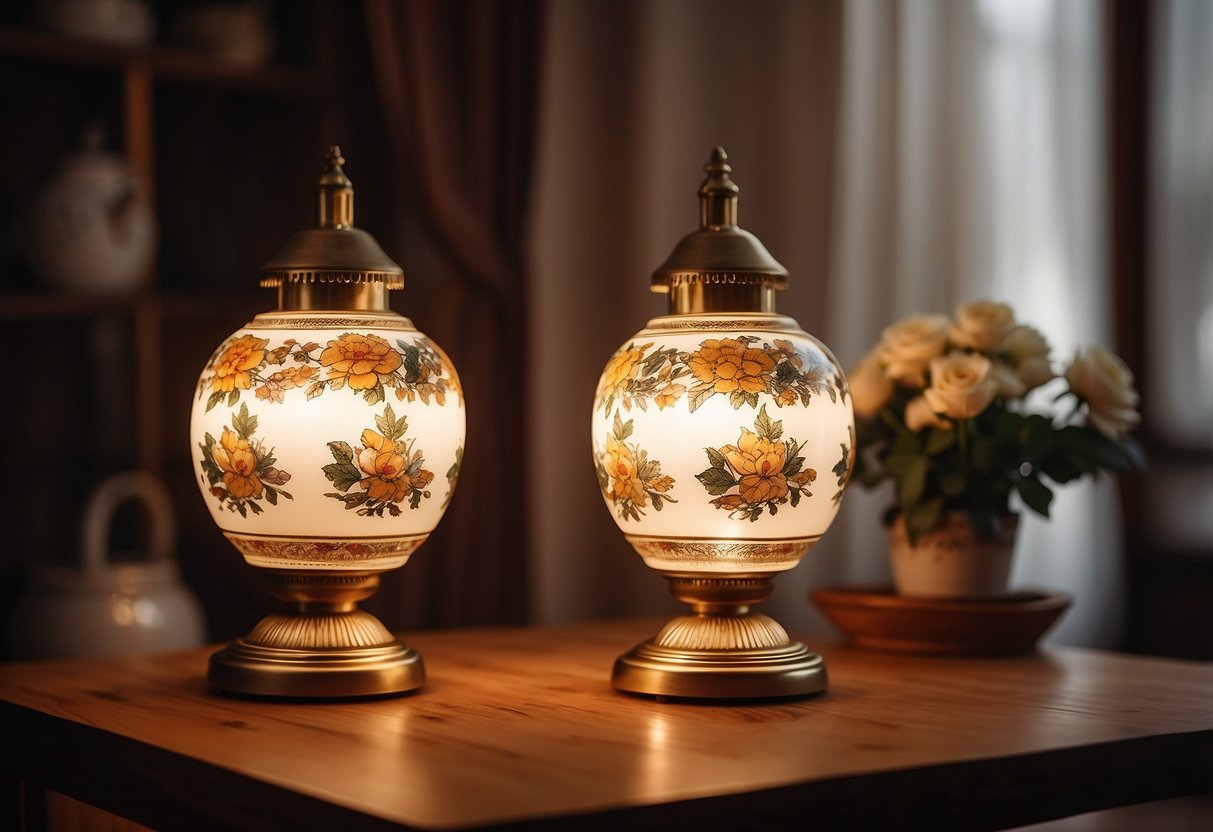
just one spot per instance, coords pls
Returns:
(93, 227)
(105, 608)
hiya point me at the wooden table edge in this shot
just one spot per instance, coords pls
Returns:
(153, 784)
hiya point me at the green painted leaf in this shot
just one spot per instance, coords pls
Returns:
(698, 394)
(716, 481)
(271, 495)
(342, 475)
(214, 399)
(233, 397)
(412, 364)
(717, 459)
(342, 452)
(244, 424)
(620, 428)
(767, 427)
(795, 497)
(657, 500)
(387, 422)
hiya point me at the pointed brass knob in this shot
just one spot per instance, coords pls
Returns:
(720, 267)
(333, 266)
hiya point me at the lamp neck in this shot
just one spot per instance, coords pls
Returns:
(337, 295)
(698, 298)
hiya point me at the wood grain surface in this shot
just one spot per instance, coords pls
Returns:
(520, 726)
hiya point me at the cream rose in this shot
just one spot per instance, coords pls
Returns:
(870, 387)
(982, 325)
(961, 387)
(1010, 386)
(907, 347)
(1105, 383)
(919, 416)
(1028, 352)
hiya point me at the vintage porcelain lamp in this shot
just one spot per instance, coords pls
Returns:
(723, 441)
(327, 438)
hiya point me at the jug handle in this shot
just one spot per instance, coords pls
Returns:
(105, 500)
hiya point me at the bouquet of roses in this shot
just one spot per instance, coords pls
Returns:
(941, 411)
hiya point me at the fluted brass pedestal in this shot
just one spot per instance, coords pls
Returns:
(722, 650)
(323, 647)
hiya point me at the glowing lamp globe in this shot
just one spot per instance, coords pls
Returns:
(723, 439)
(327, 437)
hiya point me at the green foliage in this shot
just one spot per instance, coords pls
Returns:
(978, 464)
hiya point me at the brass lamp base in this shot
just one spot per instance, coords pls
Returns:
(323, 647)
(723, 650)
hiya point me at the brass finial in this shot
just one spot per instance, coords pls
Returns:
(333, 266)
(335, 193)
(720, 267)
(718, 193)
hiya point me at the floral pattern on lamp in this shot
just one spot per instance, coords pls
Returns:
(319, 430)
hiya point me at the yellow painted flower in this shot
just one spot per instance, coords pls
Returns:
(238, 462)
(385, 469)
(233, 368)
(729, 365)
(787, 397)
(284, 380)
(620, 464)
(668, 395)
(760, 463)
(622, 366)
(360, 359)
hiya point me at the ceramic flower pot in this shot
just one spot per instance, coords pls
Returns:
(953, 560)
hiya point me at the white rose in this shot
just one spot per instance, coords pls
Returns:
(1029, 354)
(907, 347)
(983, 325)
(1034, 372)
(1105, 383)
(961, 387)
(870, 387)
(919, 415)
(1009, 384)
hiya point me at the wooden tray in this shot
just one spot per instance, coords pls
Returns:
(876, 619)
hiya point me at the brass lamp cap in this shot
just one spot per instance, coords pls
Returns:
(333, 253)
(720, 253)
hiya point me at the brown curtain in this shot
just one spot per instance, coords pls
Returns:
(457, 85)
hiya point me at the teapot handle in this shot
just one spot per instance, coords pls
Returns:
(105, 500)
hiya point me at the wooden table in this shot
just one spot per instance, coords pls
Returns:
(520, 726)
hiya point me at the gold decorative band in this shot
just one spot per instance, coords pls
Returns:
(675, 323)
(324, 553)
(684, 553)
(673, 279)
(346, 320)
(274, 279)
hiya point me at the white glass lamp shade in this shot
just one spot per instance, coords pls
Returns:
(327, 441)
(722, 443)
(327, 438)
(723, 440)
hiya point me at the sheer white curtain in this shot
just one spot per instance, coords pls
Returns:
(1181, 296)
(959, 154)
(973, 153)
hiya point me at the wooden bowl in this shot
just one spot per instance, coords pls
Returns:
(877, 619)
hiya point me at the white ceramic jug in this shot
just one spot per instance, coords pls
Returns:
(93, 228)
(105, 608)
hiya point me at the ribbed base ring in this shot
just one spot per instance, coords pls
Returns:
(790, 670)
(259, 670)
